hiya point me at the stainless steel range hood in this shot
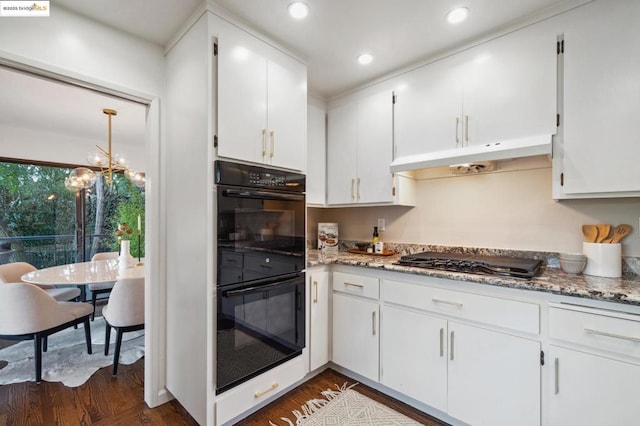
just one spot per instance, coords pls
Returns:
(514, 148)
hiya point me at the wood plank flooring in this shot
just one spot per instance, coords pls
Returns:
(105, 400)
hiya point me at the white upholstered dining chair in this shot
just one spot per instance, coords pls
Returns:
(124, 312)
(101, 288)
(28, 313)
(13, 272)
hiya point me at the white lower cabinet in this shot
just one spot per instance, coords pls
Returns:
(251, 394)
(355, 335)
(414, 355)
(472, 373)
(591, 390)
(594, 374)
(318, 339)
(478, 376)
(494, 378)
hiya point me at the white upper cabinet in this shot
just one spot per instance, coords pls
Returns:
(600, 147)
(500, 90)
(316, 154)
(262, 103)
(360, 151)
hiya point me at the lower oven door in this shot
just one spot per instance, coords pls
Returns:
(260, 324)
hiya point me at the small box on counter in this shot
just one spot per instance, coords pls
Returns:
(328, 237)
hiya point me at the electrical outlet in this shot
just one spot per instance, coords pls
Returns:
(380, 224)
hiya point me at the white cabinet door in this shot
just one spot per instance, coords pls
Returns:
(341, 154)
(316, 155)
(510, 88)
(590, 390)
(287, 112)
(428, 109)
(414, 355)
(319, 319)
(602, 99)
(494, 379)
(242, 97)
(355, 335)
(375, 145)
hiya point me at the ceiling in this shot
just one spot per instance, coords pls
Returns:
(397, 33)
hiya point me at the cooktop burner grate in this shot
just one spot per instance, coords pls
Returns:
(474, 264)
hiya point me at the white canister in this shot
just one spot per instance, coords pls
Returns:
(328, 237)
(603, 260)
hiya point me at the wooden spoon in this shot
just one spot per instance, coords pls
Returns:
(603, 232)
(590, 233)
(619, 233)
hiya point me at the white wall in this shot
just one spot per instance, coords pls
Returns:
(509, 209)
(74, 49)
(38, 145)
(78, 46)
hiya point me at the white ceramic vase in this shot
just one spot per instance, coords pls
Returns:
(125, 258)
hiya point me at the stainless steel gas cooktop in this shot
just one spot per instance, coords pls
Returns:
(474, 264)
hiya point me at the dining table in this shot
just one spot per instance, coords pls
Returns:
(83, 273)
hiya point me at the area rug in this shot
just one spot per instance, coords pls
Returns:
(346, 407)
(66, 359)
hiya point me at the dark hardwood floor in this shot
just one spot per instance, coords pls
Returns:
(105, 400)
(294, 399)
(102, 400)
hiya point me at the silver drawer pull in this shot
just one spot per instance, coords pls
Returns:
(264, 392)
(615, 336)
(315, 286)
(446, 302)
(354, 285)
(451, 349)
(556, 369)
(373, 323)
(441, 342)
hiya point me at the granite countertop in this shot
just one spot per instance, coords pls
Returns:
(552, 280)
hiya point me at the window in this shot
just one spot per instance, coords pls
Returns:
(40, 218)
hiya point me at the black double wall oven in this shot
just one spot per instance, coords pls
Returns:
(260, 270)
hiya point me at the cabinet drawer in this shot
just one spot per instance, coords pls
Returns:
(595, 328)
(356, 284)
(511, 314)
(249, 394)
(270, 264)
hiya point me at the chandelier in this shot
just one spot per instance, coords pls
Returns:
(111, 163)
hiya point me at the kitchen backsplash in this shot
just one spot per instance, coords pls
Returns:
(630, 265)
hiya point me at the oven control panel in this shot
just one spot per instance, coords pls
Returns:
(236, 174)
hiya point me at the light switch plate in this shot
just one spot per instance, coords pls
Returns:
(380, 224)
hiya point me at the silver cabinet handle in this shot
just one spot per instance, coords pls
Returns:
(457, 124)
(358, 188)
(556, 369)
(373, 323)
(441, 342)
(451, 348)
(264, 142)
(273, 144)
(264, 392)
(466, 129)
(446, 302)
(353, 181)
(354, 285)
(615, 336)
(315, 297)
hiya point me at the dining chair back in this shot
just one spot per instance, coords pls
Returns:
(124, 312)
(13, 272)
(101, 288)
(28, 313)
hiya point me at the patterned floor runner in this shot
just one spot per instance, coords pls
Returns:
(346, 407)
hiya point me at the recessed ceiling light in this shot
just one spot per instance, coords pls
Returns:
(457, 15)
(298, 10)
(365, 59)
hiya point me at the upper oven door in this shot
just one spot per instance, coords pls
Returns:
(261, 234)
